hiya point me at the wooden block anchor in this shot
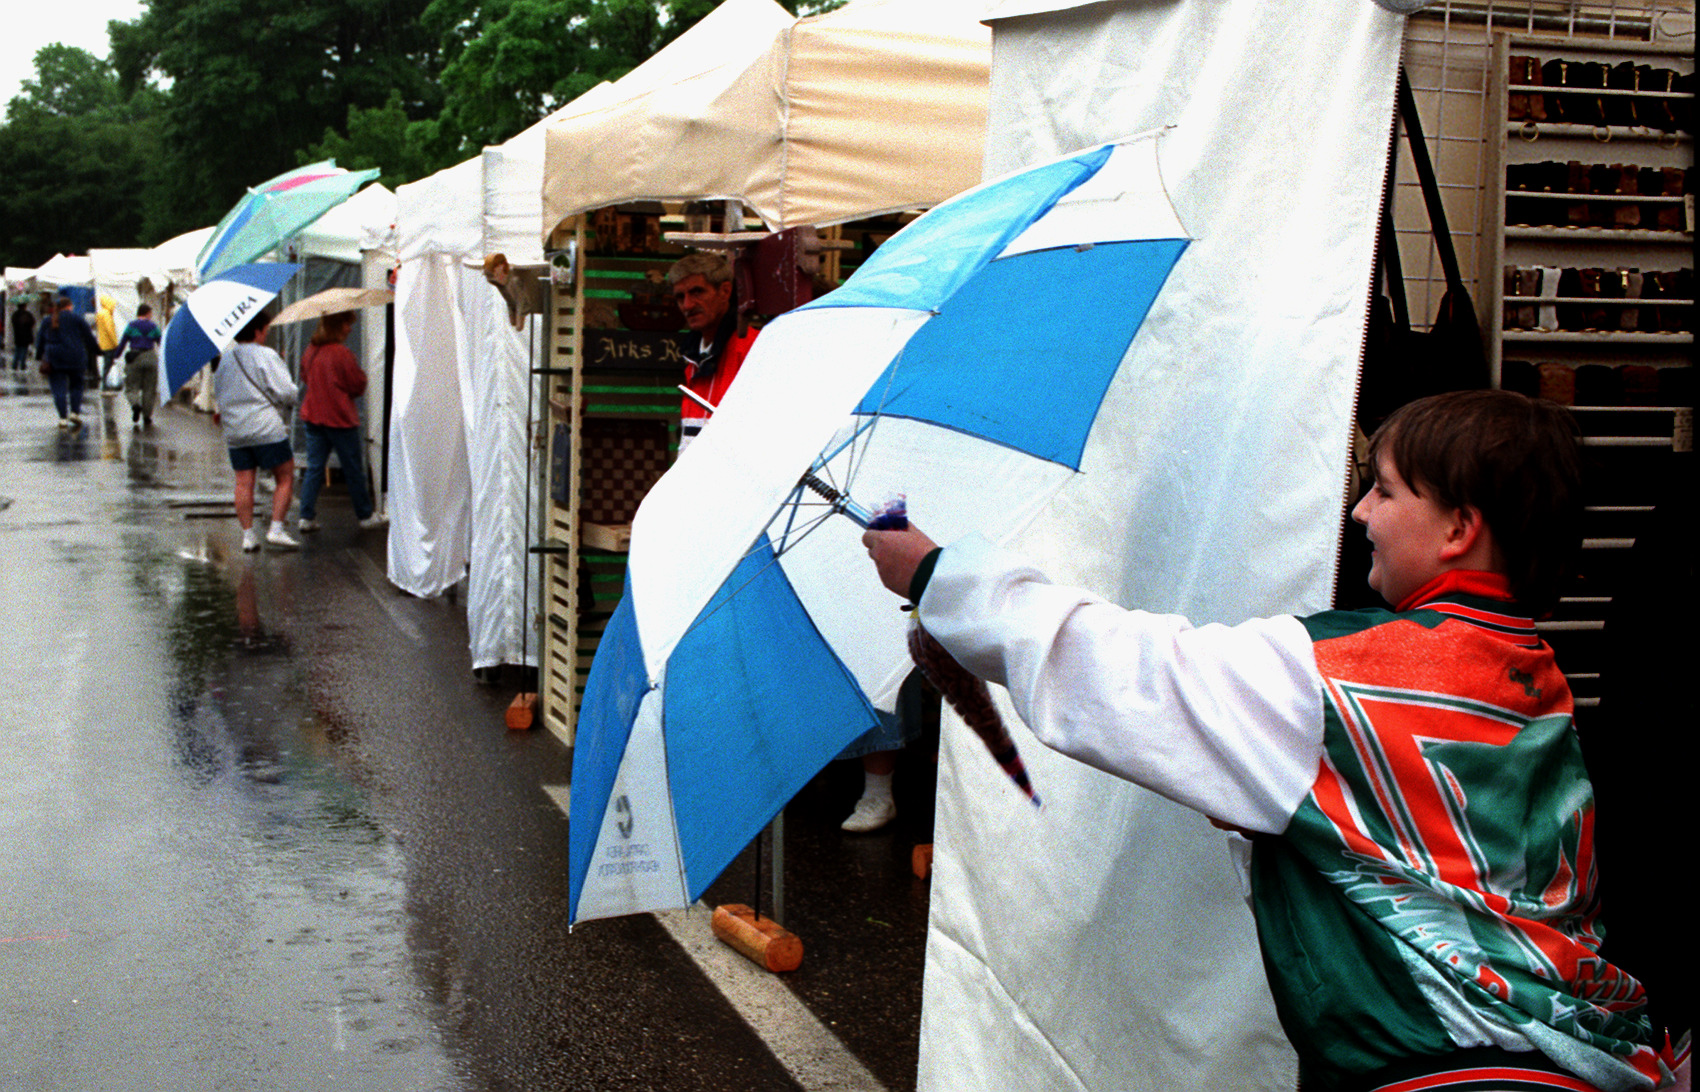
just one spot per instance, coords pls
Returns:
(763, 940)
(521, 711)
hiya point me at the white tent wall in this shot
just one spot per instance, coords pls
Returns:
(430, 487)
(1104, 942)
(495, 369)
(457, 426)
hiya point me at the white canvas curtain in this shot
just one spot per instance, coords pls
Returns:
(457, 421)
(1103, 943)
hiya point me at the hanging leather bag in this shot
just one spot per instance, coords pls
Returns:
(1400, 362)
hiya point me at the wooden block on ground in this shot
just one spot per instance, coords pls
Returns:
(762, 940)
(521, 711)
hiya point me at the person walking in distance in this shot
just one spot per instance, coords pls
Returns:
(23, 333)
(140, 348)
(255, 394)
(64, 344)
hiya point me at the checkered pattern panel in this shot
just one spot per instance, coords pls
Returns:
(622, 460)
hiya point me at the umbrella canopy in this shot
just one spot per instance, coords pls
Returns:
(962, 366)
(213, 315)
(332, 301)
(275, 210)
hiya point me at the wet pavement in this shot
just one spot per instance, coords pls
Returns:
(261, 828)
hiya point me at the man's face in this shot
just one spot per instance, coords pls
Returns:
(703, 304)
(1406, 531)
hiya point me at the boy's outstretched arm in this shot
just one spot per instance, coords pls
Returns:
(1226, 720)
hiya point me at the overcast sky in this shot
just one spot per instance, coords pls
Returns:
(29, 26)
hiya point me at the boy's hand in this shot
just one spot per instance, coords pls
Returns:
(897, 554)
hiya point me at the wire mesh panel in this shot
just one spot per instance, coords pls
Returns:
(1448, 50)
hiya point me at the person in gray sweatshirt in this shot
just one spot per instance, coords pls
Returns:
(255, 395)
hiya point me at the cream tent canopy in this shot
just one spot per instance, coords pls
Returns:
(873, 108)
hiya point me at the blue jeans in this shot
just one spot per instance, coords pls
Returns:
(19, 355)
(67, 387)
(321, 441)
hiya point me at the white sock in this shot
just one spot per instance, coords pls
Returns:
(876, 784)
(277, 527)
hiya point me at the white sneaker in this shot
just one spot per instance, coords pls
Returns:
(64, 422)
(250, 540)
(281, 540)
(307, 526)
(374, 521)
(872, 813)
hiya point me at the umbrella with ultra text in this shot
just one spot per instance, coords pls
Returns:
(212, 316)
(962, 366)
(275, 210)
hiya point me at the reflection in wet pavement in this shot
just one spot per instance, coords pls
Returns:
(199, 893)
(260, 829)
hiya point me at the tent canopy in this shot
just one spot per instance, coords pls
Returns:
(63, 270)
(177, 255)
(876, 107)
(364, 222)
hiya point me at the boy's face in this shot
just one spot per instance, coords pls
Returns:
(1407, 533)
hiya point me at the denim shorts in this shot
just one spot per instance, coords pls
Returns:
(261, 457)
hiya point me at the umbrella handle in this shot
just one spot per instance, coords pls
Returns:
(967, 694)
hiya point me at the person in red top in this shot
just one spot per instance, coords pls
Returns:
(702, 287)
(331, 380)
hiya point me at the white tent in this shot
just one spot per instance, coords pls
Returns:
(458, 456)
(877, 107)
(177, 257)
(119, 274)
(65, 270)
(361, 225)
(1103, 943)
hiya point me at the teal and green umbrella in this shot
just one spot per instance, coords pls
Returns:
(275, 210)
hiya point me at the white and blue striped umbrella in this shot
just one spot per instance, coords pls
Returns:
(212, 316)
(963, 366)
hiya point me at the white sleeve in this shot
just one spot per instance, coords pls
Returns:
(1223, 719)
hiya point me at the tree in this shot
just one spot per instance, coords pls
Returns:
(386, 138)
(507, 63)
(70, 149)
(255, 82)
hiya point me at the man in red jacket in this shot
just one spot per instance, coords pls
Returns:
(702, 287)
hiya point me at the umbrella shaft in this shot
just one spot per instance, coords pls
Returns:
(840, 503)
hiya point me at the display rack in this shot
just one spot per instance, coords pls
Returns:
(1588, 227)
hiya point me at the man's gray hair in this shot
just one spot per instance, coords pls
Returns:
(714, 268)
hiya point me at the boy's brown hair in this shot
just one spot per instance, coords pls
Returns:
(1517, 460)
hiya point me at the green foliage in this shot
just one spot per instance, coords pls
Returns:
(202, 98)
(253, 83)
(70, 149)
(386, 138)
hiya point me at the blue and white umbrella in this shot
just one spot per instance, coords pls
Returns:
(962, 366)
(212, 316)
